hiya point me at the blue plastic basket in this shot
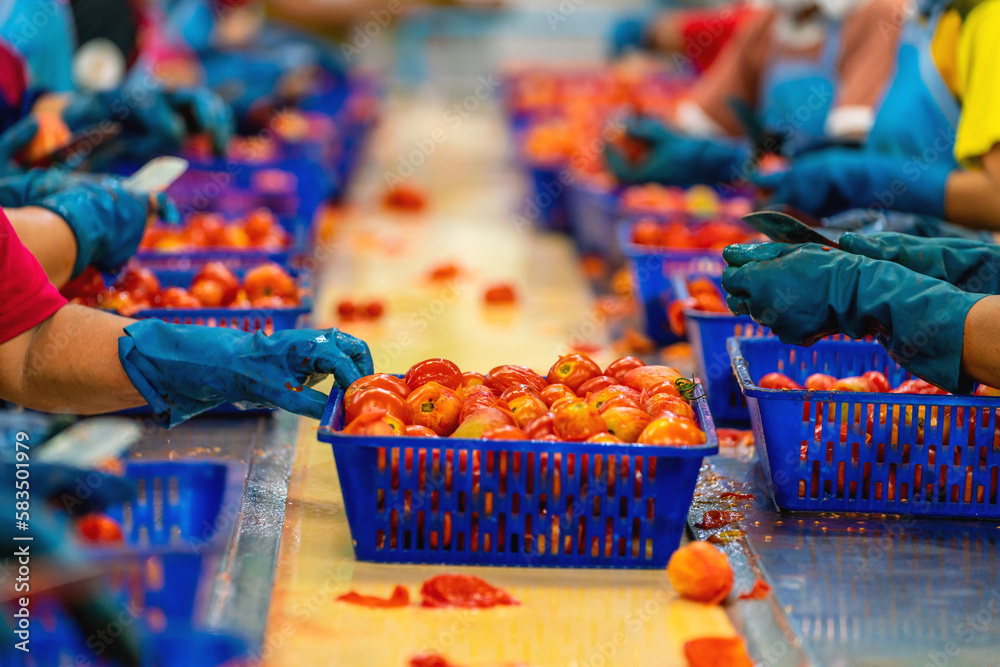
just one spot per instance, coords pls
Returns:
(707, 333)
(547, 200)
(921, 454)
(179, 507)
(158, 596)
(652, 272)
(592, 214)
(532, 504)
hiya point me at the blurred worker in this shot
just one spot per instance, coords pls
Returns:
(696, 36)
(935, 147)
(59, 357)
(932, 303)
(810, 71)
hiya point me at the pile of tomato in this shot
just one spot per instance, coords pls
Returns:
(698, 200)
(260, 230)
(215, 286)
(872, 381)
(577, 401)
(680, 234)
(703, 296)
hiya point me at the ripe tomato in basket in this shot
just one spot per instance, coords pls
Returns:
(380, 380)
(99, 528)
(86, 287)
(260, 224)
(177, 297)
(215, 286)
(434, 370)
(140, 283)
(270, 280)
(374, 399)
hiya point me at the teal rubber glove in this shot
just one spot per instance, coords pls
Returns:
(154, 121)
(867, 221)
(970, 265)
(675, 159)
(827, 182)
(12, 141)
(107, 220)
(183, 371)
(806, 292)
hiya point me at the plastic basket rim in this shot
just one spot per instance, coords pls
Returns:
(751, 390)
(327, 434)
(207, 313)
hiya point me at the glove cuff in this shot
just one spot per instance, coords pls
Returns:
(925, 194)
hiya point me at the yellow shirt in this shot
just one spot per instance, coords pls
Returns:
(967, 53)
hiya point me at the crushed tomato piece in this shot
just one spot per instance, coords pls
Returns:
(462, 590)
(717, 652)
(760, 590)
(400, 598)
(717, 519)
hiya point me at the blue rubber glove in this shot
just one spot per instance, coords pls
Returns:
(676, 159)
(155, 121)
(806, 292)
(12, 141)
(868, 221)
(970, 265)
(107, 220)
(183, 371)
(827, 182)
(629, 34)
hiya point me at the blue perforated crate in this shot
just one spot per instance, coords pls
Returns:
(707, 332)
(179, 507)
(828, 451)
(593, 211)
(653, 270)
(158, 597)
(547, 201)
(514, 503)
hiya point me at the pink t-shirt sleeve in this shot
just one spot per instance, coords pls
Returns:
(28, 297)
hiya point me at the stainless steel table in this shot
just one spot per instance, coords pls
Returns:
(859, 590)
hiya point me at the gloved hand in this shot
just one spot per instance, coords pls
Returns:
(827, 182)
(674, 158)
(154, 120)
(107, 219)
(970, 265)
(867, 221)
(805, 292)
(12, 141)
(629, 34)
(183, 371)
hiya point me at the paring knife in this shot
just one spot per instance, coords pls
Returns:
(783, 228)
(157, 174)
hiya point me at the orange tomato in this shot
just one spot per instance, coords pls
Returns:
(672, 430)
(270, 280)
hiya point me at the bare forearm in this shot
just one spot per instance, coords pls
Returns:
(48, 238)
(68, 364)
(972, 199)
(981, 344)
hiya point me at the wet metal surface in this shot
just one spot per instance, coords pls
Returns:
(240, 594)
(875, 589)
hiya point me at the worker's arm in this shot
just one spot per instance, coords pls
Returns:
(68, 363)
(981, 346)
(972, 197)
(49, 239)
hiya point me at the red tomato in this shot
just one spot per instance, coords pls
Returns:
(444, 272)
(234, 236)
(541, 426)
(205, 229)
(99, 528)
(259, 224)
(778, 381)
(435, 406)
(672, 430)
(472, 379)
(476, 398)
(270, 280)
(702, 287)
(517, 390)
(178, 297)
(598, 399)
(878, 381)
(618, 368)
(820, 382)
(463, 590)
(208, 292)
(554, 392)
(505, 433)
(576, 421)
(500, 294)
(717, 652)
(376, 423)
(668, 388)
(374, 399)
(573, 370)
(502, 377)
(374, 310)
(855, 384)
(441, 371)
(405, 197)
(596, 384)
(646, 232)
(140, 283)
(675, 314)
(378, 380)
(986, 390)
(89, 284)
(605, 438)
(345, 311)
(420, 432)
(918, 386)
(658, 405)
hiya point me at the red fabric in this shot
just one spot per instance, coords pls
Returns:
(12, 79)
(28, 297)
(706, 31)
